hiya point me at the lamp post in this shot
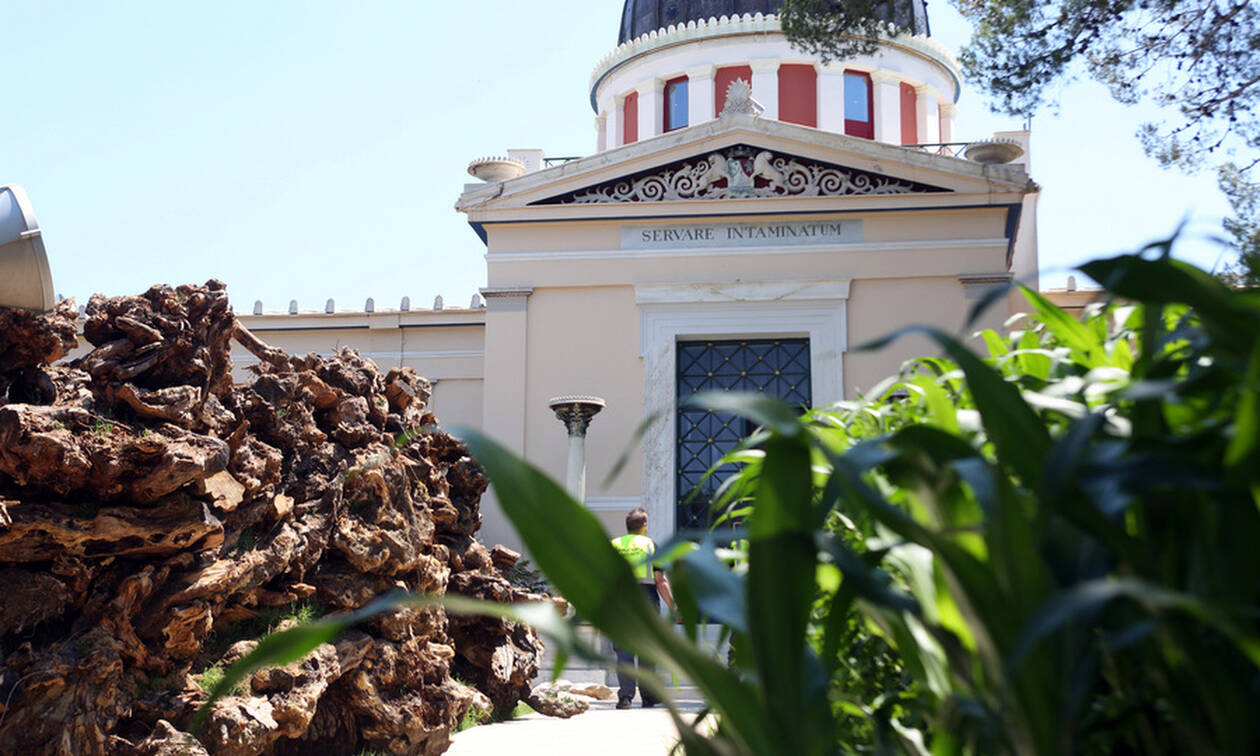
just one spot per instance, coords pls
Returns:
(576, 413)
(25, 281)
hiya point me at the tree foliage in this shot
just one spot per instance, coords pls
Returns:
(1199, 60)
(838, 30)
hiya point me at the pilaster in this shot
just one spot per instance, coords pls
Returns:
(831, 99)
(616, 134)
(886, 94)
(927, 114)
(700, 94)
(503, 389)
(651, 108)
(765, 85)
(948, 111)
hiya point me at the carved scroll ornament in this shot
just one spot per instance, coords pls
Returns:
(743, 172)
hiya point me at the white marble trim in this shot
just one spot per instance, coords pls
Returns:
(611, 503)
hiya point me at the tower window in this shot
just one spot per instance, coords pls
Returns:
(859, 120)
(909, 115)
(676, 103)
(798, 94)
(630, 119)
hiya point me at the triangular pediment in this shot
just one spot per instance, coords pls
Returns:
(740, 171)
(747, 158)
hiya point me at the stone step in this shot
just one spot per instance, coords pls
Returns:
(583, 671)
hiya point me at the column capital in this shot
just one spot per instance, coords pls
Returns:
(651, 87)
(881, 76)
(701, 72)
(506, 298)
(764, 65)
(492, 292)
(927, 90)
(948, 109)
(832, 69)
(576, 412)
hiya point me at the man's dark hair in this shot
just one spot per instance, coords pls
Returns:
(636, 519)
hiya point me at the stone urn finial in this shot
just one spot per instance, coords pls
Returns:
(490, 169)
(993, 151)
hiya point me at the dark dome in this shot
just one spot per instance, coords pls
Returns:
(642, 16)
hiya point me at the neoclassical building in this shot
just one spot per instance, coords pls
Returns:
(747, 218)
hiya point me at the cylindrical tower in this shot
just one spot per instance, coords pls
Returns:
(677, 58)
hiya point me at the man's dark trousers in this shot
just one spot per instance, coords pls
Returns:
(626, 683)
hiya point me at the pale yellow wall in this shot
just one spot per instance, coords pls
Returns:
(879, 307)
(585, 341)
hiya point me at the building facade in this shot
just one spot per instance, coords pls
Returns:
(749, 217)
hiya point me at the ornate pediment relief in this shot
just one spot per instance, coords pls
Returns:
(740, 172)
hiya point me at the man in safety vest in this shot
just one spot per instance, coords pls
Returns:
(637, 548)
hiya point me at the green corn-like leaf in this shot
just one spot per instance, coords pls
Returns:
(1085, 344)
(1167, 281)
(718, 593)
(769, 413)
(1019, 437)
(996, 345)
(1246, 441)
(1085, 598)
(941, 411)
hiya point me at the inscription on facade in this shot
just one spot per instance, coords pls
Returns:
(741, 234)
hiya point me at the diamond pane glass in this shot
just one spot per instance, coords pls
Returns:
(779, 367)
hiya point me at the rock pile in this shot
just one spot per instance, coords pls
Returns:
(157, 518)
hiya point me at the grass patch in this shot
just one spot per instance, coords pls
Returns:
(246, 541)
(472, 718)
(211, 678)
(217, 643)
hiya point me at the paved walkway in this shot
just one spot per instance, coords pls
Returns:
(602, 731)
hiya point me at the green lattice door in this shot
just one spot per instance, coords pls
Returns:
(779, 367)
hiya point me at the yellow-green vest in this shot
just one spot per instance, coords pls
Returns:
(637, 549)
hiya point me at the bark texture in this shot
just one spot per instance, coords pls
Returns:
(157, 519)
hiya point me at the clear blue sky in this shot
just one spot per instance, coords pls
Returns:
(315, 149)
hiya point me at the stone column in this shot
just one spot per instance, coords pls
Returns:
(886, 104)
(576, 413)
(765, 86)
(831, 99)
(651, 109)
(700, 94)
(948, 110)
(601, 131)
(927, 114)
